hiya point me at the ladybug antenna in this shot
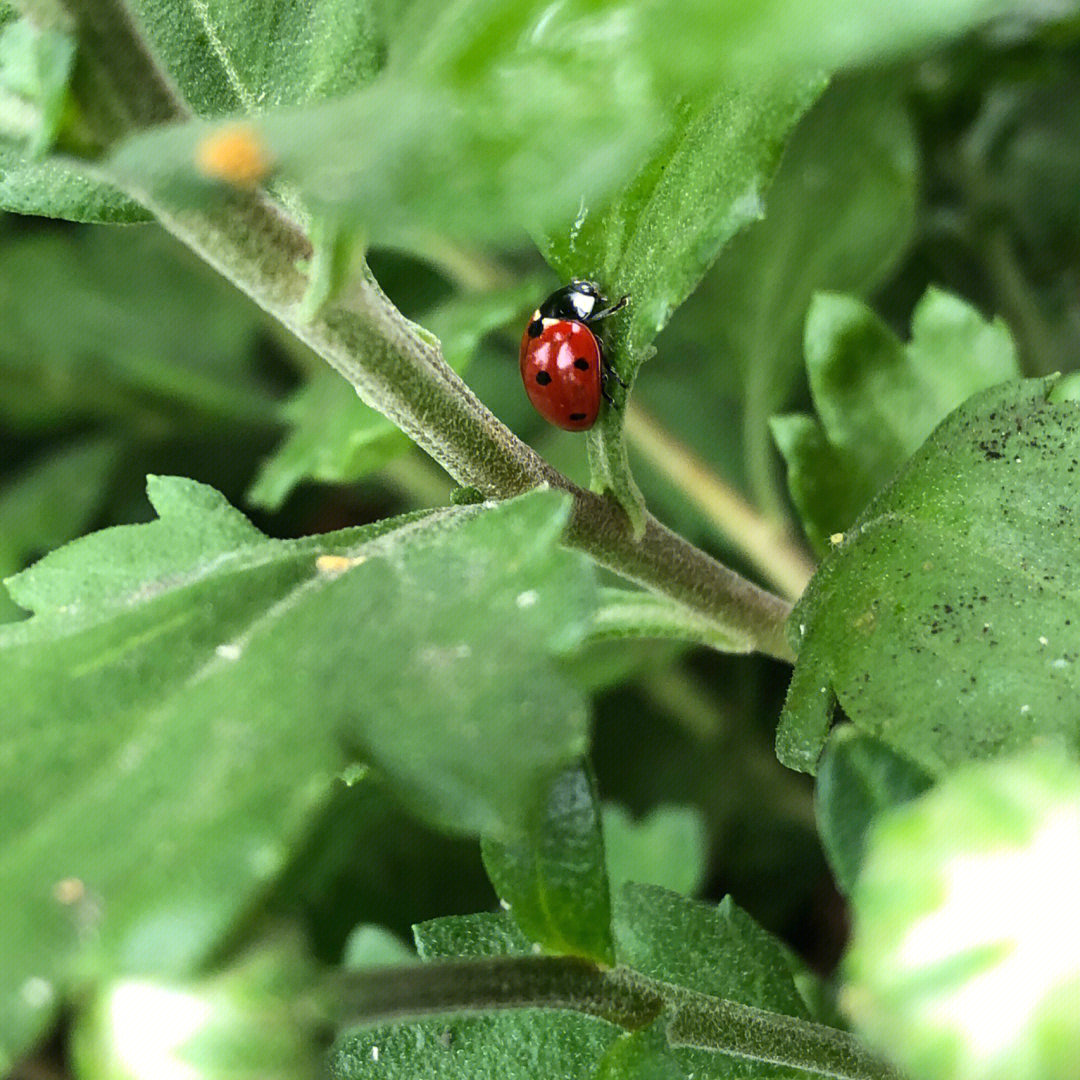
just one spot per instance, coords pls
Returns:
(617, 306)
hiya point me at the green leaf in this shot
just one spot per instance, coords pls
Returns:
(479, 126)
(858, 779)
(641, 1055)
(191, 679)
(133, 303)
(751, 38)
(336, 438)
(369, 945)
(35, 66)
(248, 56)
(946, 623)
(109, 569)
(713, 949)
(878, 399)
(838, 216)
(512, 1046)
(554, 880)
(484, 933)
(657, 236)
(56, 188)
(517, 1045)
(965, 960)
(53, 499)
(667, 847)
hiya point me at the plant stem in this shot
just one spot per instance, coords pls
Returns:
(994, 247)
(620, 996)
(1018, 302)
(708, 1023)
(501, 982)
(767, 545)
(399, 370)
(633, 613)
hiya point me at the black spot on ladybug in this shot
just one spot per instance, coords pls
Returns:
(543, 378)
(536, 328)
(581, 364)
(576, 416)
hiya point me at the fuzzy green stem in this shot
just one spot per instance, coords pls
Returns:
(620, 996)
(492, 983)
(708, 1023)
(634, 613)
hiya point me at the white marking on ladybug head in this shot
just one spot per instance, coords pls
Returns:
(584, 303)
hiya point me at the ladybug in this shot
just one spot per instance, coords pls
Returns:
(562, 361)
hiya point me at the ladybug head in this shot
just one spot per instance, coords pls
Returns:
(578, 301)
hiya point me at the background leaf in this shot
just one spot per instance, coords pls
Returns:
(145, 336)
(666, 847)
(366, 860)
(945, 624)
(859, 778)
(554, 879)
(35, 66)
(839, 214)
(878, 399)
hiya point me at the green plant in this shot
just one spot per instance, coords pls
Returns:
(234, 769)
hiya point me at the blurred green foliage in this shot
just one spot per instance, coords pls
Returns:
(873, 251)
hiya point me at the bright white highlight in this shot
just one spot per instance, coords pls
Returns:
(150, 1025)
(1021, 900)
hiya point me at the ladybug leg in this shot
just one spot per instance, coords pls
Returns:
(617, 306)
(608, 372)
(612, 373)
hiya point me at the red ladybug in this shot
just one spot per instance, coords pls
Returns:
(562, 361)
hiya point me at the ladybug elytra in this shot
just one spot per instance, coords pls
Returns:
(562, 361)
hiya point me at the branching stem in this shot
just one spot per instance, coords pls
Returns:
(620, 996)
